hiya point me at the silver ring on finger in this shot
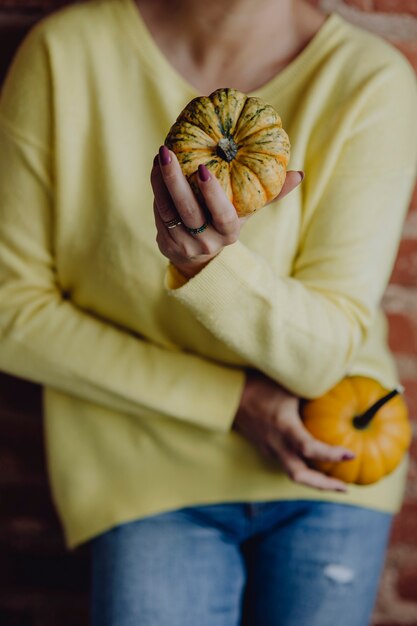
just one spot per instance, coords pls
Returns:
(173, 223)
(197, 231)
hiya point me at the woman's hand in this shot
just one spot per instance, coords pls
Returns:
(268, 417)
(185, 236)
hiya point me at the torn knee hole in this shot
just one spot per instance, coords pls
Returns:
(339, 573)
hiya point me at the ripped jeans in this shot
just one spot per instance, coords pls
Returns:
(287, 563)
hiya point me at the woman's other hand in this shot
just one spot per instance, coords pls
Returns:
(268, 417)
(184, 235)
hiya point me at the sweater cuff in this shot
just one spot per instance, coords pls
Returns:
(221, 283)
(227, 386)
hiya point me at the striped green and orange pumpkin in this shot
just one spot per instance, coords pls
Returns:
(241, 141)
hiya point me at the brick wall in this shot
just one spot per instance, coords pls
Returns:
(43, 585)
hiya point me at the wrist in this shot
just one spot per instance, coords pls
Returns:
(189, 270)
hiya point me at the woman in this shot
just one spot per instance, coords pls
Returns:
(172, 370)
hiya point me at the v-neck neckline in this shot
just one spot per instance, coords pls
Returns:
(283, 80)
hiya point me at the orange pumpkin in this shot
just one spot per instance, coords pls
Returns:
(366, 418)
(241, 141)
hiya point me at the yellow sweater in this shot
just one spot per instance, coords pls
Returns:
(142, 376)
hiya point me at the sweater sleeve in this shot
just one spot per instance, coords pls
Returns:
(44, 336)
(305, 330)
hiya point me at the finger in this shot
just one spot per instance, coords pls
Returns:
(223, 214)
(313, 449)
(163, 200)
(183, 198)
(176, 243)
(292, 180)
(163, 237)
(300, 473)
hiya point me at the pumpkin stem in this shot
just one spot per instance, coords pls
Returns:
(362, 421)
(226, 149)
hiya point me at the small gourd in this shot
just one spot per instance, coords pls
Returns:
(371, 421)
(240, 139)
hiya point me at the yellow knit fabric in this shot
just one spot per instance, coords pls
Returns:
(142, 375)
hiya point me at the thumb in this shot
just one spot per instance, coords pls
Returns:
(292, 180)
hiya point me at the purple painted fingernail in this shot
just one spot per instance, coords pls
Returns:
(203, 173)
(348, 456)
(341, 489)
(164, 155)
(301, 175)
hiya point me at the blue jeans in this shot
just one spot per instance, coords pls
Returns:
(289, 563)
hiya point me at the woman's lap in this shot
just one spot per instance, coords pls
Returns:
(166, 571)
(270, 564)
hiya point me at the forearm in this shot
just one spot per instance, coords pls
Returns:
(50, 341)
(304, 330)
(300, 338)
